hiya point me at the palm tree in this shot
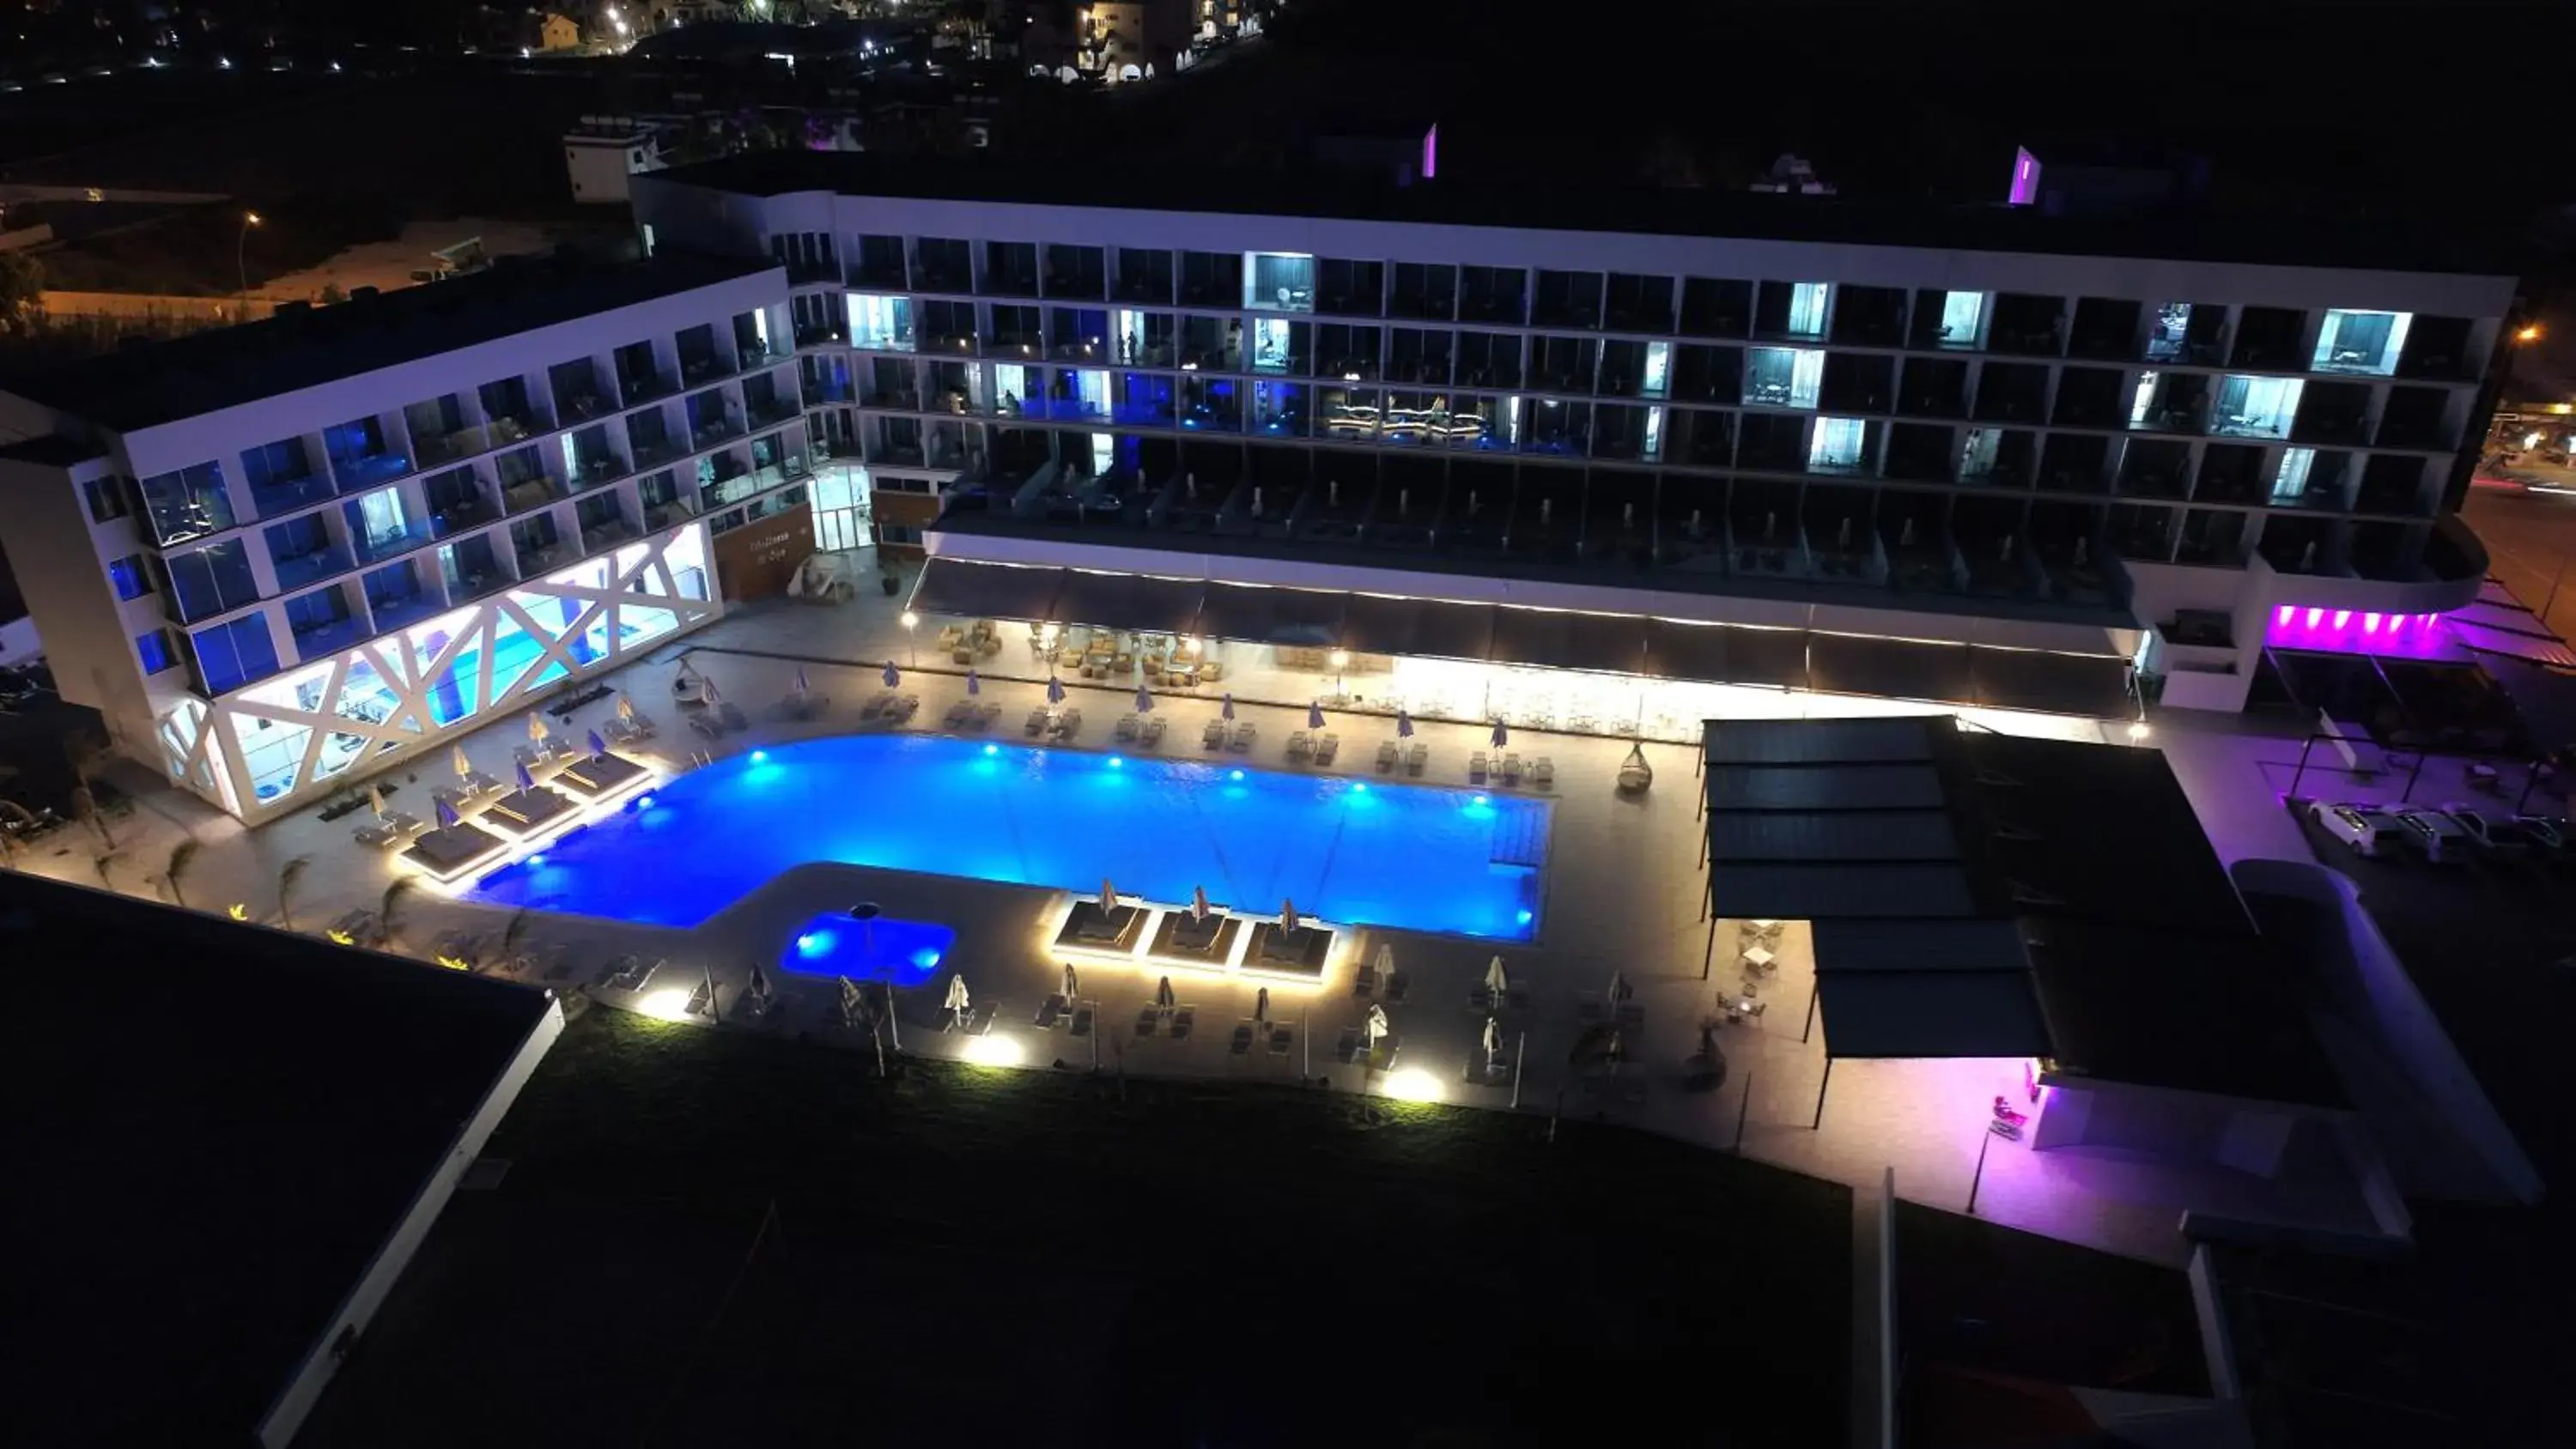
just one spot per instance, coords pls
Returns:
(182, 856)
(289, 876)
(389, 909)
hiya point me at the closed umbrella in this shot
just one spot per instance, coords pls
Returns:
(1144, 700)
(1315, 715)
(1071, 983)
(1385, 959)
(892, 675)
(447, 816)
(1493, 1040)
(1227, 709)
(527, 781)
(802, 686)
(376, 800)
(974, 685)
(1376, 1026)
(1261, 1005)
(1287, 915)
(1108, 895)
(1199, 907)
(1163, 993)
(759, 988)
(957, 1000)
(707, 692)
(1403, 725)
(537, 728)
(625, 707)
(464, 766)
(598, 746)
(1502, 734)
(1498, 982)
(1618, 987)
(1055, 690)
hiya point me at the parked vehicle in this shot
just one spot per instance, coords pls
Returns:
(2360, 826)
(2547, 831)
(2437, 835)
(2489, 829)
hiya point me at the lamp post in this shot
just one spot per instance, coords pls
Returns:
(1341, 659)
(911, 639)
(241, 265)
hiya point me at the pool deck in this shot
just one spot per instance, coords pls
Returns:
(1623, 895)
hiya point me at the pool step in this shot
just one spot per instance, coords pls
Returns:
(1520, 833)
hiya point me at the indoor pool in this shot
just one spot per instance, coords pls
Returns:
(1365, 852)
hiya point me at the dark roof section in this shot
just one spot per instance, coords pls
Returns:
(2278, 241)
(1632, 644)
(1975, 895)
(218, 1126)
(204, 372)
(50, 452)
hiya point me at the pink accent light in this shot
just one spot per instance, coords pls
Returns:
(2350, 631)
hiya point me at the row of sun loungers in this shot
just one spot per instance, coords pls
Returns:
(1390, 754)
(1147, 729)
(714, 720)
(1320, 748)
(1055, 726)
(1541, 771)
(394, 831)
(890, 707)
(1217, 737)
(971, 714)
(628, 731)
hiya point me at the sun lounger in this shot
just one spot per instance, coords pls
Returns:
(986, 713)
(706, 724)
(1051, 1010)
(1511, 769)
(1147, 1019)
(1037, 722)
(1081, 1022)
(876, 704)
(621, 732)
(1154, 729)
(1213, 737)
(1300, 746)
(1280, 1041)
(1127, 727)
(1242, 1043)
(1182, 1020)
(1386, 753)
(1543, 772)
(957, 713)
(1327, 746)
(379, 836)
(1397, 985)
(1242, 740)
(1476, 767)
(1069, 724)
(1416, 758)
(1365, 983)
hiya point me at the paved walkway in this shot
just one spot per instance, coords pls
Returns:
(1623, 894)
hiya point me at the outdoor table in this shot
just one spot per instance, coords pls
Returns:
(1758, 959)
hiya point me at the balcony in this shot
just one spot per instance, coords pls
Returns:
(774, 411)
(322, 639)
(734, 487)
(591, 470)
(893, 399)
(599, 535)
(714, 430)
(294, 571)
(654, 451)
(384, 544)
(360, 472)
(438, 448)
(821, 334)
(670, 513)
(705, 367)
(270, 499)
(399, 603)
(643, 387)
(584, 405)
(805, 269)
(461, 515)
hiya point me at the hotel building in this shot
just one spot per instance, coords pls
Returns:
(282, 556)
(1969, 455)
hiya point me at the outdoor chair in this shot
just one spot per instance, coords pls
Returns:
(1242, 740)
(1397, 984)
(1069, 725)
(1511, 769)
(732, 715)
(1543, 772)
(1127, 727)
(1213, 737)
(1279, 1041)
(1148, 1019)
(1365, 983)
(1037, 722)
(1476, 768)
(1300, 746)
(1420, 756)
(957, 713)
(1182, 1021)
(1327, 746)
(1154, 730)
(1386, 756)
(1242, 1042)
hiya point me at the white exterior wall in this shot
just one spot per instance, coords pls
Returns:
(162, 720)
(600, 165)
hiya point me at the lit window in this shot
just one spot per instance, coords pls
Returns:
(1783, 377)
(128, 577)
(2361, 342)
(154, 650)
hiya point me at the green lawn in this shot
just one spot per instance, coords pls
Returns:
(1028, 1258)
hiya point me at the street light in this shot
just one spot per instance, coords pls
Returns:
(2529, 333)
(241, 267)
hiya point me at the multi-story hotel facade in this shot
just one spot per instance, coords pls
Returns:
(2111, 448)
(281, 557)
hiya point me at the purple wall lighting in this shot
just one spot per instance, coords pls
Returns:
(1431, 152)
(2354, 631)
(2025, 180)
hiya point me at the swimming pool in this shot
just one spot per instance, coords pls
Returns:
(1364, 852)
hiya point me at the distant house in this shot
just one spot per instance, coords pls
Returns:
(558, 32)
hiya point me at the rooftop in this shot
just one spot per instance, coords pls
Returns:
(2305, 241)
(215, 1137)
(1977, 894)
(49, 452)
(204, 372)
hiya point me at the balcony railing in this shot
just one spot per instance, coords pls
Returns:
(669, 514)
(654, 452)
(268, 500)
(356, 475)
(818, 334)
(806, 270)
(376, 547)
(437, 448)
(647, 387)
(600, 468)
(706, 367)
(713, 431)
(464, 514)
(775, 411)
(606, 534)
(582, 406)
(297, 570)
(399, 611)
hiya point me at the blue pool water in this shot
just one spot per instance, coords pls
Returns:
(905, 953)
(1363, 852)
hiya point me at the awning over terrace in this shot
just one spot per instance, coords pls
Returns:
(1624, 644)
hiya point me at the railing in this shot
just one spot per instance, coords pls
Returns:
(377, 547)
(695, 370)
(439, 448)
(583, 406)
(267, 500)
(653, 453)
(645, 389)
(356, 475)
(593, 471)
(703, 436)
